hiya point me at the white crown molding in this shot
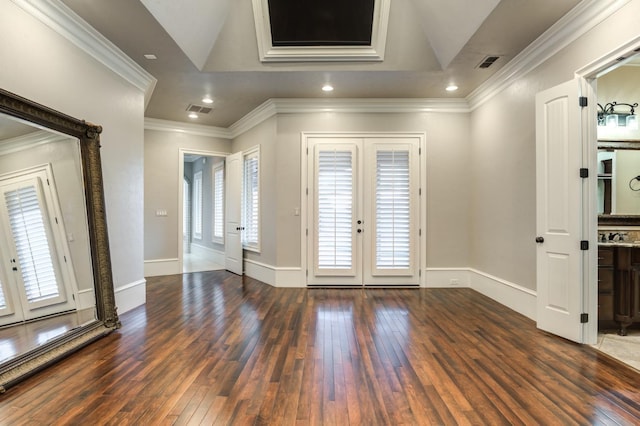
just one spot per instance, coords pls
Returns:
(68, 24)
(30, 140)
(187, 128)
(272, 107)
(270, 53)
(582, 18)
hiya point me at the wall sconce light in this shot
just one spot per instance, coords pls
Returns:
(608, 116)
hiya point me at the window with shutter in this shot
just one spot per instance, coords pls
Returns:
(251, 200)
(197, 205)
(393, 210)
(218, 204)
(32, 243)
(335, 210)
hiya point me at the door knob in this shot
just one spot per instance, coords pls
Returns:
(359, 231)
(359, 222)
(539, 240)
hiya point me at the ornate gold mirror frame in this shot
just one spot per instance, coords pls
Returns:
(107, 320)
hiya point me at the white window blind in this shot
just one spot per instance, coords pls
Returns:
(218, 204)
(250, 200)
(3, 301)
(335, 209)
(393, 240)
(197, 205)
(32, 245)
(186, 212)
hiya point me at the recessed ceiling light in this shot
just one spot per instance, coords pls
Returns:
(150, 56)
(207, 100)
(193, 115)
(327, 88)
(451, 88)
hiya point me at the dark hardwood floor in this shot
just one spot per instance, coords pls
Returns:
(214, 348)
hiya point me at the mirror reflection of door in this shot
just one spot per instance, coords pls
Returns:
(34, 276)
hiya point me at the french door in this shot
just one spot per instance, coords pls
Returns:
(363, 206)
(32, 279)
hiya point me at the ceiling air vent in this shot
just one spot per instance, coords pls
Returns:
(199, 109)
(488, 61)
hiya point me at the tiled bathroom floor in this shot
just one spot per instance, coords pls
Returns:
(625, 348)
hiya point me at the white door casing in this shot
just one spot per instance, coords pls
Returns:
(232, 217)
(559, 190)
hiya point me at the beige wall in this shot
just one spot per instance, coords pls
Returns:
(503, 154)
(161, 180)
(447, 192)
(40, 65)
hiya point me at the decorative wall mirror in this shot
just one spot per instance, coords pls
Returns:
(56, 286)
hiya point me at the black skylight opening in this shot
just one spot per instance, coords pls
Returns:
(321, 22)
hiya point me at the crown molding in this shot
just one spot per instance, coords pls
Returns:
(582, 18)
(31, 140)
(187, 128)
(270, 53)
(273, 107)
(60, 18)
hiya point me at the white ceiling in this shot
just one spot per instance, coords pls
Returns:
(209, 47)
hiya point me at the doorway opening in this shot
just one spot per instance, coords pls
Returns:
(202, 200)
(618, 210)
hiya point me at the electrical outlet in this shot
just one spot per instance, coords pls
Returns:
(454, 281)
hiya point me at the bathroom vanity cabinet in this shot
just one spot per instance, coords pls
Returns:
(619, 285)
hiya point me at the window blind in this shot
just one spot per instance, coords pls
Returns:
(218, 204)
(335, 210)
(250, 200)
(392, 210)
(197, 205)
(32, 245)
(3, 302)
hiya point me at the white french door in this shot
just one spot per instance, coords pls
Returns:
(363, 207)
(32, 281)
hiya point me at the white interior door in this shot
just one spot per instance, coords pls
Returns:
(233, 231)
(363, 209)
(559, 210)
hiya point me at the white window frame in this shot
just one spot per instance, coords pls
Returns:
(217, 222)
(251, 244)
(197, 205)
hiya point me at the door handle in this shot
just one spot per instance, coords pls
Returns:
(359, 231)
(539, 240)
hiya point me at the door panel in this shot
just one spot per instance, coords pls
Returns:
(335, 209)
(233, 234)
(559, 214)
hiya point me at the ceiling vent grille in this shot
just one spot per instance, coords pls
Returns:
(488, 61)
(199, 109)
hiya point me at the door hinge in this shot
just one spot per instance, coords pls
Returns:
(307, 150)
(307, 272)
(584, 245)
(48, 184)
(419, 272)
(307, 190)
(56, 220)
(306, 232)
(65, 259)
(582, 100)
(420, 191)
(419, 232)
(584, 172)
(419, 151)
(584, 318)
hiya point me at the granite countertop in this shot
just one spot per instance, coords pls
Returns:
(619, 244)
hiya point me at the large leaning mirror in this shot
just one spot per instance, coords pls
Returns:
(56, 287)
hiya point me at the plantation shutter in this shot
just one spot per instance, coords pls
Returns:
(197, 205)
(335, 210)
(250, 200)
(29, 231)
(392, 210)
(218, 204)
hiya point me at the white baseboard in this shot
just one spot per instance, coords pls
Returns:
(214, 255)
(513, 296)
(446, 277)
(157, 267)
(274, 276)
(131, 296)
(86, 299)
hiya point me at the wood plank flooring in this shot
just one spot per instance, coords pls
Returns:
(214, 348)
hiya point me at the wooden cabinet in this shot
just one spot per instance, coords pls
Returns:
(606, 267)
(627, 287)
